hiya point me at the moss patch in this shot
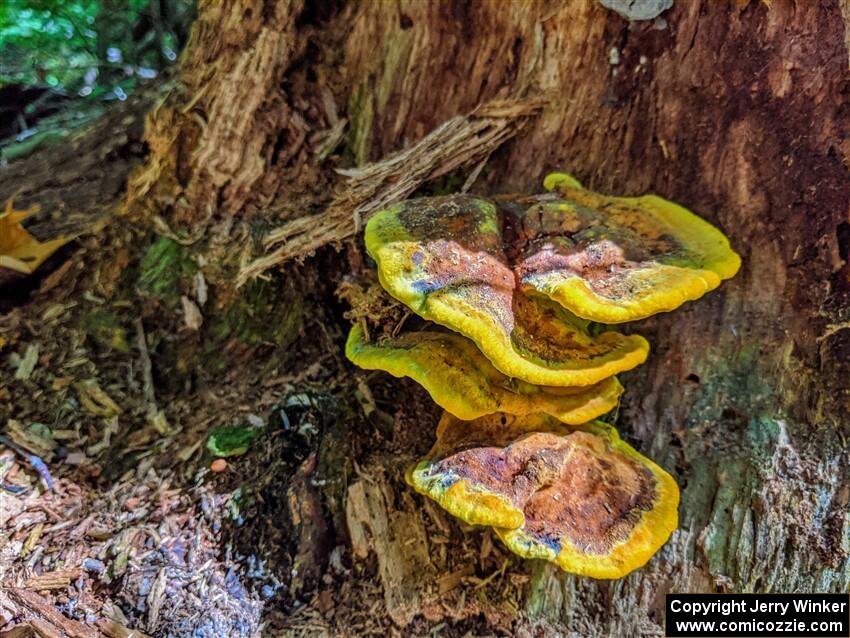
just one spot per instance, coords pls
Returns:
(265, 314)
(360, 114)
(163, 269)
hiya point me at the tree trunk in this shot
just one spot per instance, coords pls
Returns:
(736, 110)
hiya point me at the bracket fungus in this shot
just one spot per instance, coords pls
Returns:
(463, 381)
(579, 497)
(523, 373)
(615, 259)
(443, 258)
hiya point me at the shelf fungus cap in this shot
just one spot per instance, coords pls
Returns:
(581, 497)
(614, 259)
(463, 381)
(443, 257)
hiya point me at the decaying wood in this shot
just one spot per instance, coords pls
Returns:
(744, 398)
(398, 539)
(223, 140)
(462, 141)
(706, 110)
(94, 159)
(46, 620)
(59, 579)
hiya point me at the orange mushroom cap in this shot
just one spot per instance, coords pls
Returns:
(443, 257)
(614, 259)
(464, 382)
(581, 497)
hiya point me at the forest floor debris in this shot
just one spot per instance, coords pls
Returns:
(114, 522)
(127, 377)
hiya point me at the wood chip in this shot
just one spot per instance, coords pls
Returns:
(155, 599)
(32, 540)
(44, 629)
(21, 631)
(486, 547)
(192, 316)
(28, 363)
(397, 537)
(116, 630)
(450, 581)
(59, 579)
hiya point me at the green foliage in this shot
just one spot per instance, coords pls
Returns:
(90, 46)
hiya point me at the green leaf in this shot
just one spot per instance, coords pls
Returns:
(231, 441)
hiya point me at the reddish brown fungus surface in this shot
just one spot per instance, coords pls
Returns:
(593, 500)
(445, 258)
(571, 485)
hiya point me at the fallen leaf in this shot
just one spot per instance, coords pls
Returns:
(231, 441)
(20, 251)
(155, 599)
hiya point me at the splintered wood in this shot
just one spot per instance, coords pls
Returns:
(466, 140)
(399, 540)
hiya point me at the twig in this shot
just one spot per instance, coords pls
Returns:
(147, 367)
(155, 415)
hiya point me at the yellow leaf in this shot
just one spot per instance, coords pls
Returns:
(20, 251)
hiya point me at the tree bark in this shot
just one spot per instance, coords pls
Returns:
(736, 110)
